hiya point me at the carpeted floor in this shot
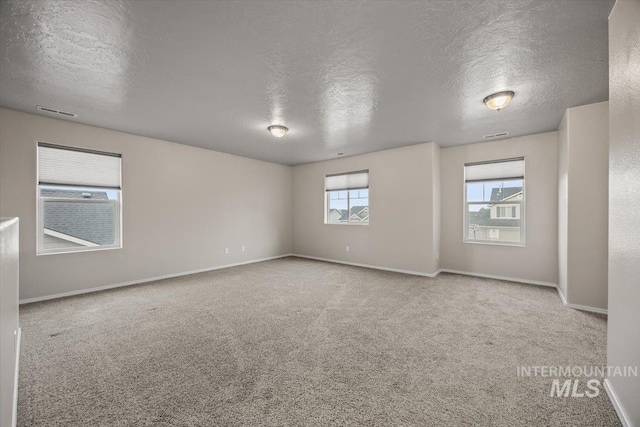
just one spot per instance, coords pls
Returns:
(298, 342)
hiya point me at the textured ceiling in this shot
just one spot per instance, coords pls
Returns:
(350, 76)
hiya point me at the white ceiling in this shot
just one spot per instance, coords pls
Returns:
(350, 76)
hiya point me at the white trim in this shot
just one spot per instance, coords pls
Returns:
(347, 223)
(523, 210)
(615, 401)
(149, 279)
(68, 238)
(562, 297)
(495, 242)
(465, 273)
(14, 414)
(375, 267)
(7, 221)
(508, 279)
(588, 308)
(79, 250)
(581, 307)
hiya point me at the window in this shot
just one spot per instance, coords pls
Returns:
(347, 198)
(79, 196)
(506, 212)
(494, 202)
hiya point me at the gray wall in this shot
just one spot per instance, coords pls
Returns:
(402, 200)
(8, 317)
(623, 340)
(181, 207)
(563, 203)
(417, 211)
(437, 200)
(538, 260)
(583, 176)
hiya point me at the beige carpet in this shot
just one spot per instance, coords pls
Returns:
(298, 342)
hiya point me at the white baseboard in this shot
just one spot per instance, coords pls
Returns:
(149, 279)
(508, 279)
(531, 282)
(562, 298)
(580, 307)
(375, 267)
(613, 397)
(16, 374)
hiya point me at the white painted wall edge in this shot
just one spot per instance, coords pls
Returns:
(150, 279)
(613, 397)
(375, 267)
(16, 374)
(581, 307)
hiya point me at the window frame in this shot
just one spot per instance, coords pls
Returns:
(327, 212)
(522, 203)
(327, 203)
(118, 235)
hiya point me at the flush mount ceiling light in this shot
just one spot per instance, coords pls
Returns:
(499, 100)
(277, 130)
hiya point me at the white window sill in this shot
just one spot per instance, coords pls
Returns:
(487, 242)
(74, 251)
(347, 223)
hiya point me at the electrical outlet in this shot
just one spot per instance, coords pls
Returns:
(226, 251)
(348, 249)
(437, 255)
(243, 248)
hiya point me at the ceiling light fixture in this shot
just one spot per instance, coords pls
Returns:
(499, 100)
(277, 130)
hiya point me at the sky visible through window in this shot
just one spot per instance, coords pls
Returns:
(481, 191)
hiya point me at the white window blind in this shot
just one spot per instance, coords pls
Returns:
(495, 170)
(347, 181)
(69, 166)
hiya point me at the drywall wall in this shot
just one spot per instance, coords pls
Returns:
(181, 207)
(538, 260)
(583, 176)
(563, 202)
(401, 202)
(623, 338)
(437, 197)
(9, 329)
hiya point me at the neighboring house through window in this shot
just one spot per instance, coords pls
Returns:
(347, 198)
(494, 202)
(79, 194)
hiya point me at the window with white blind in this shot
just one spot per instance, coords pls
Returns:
(347, 198)
(79, 199)
(494, 202)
